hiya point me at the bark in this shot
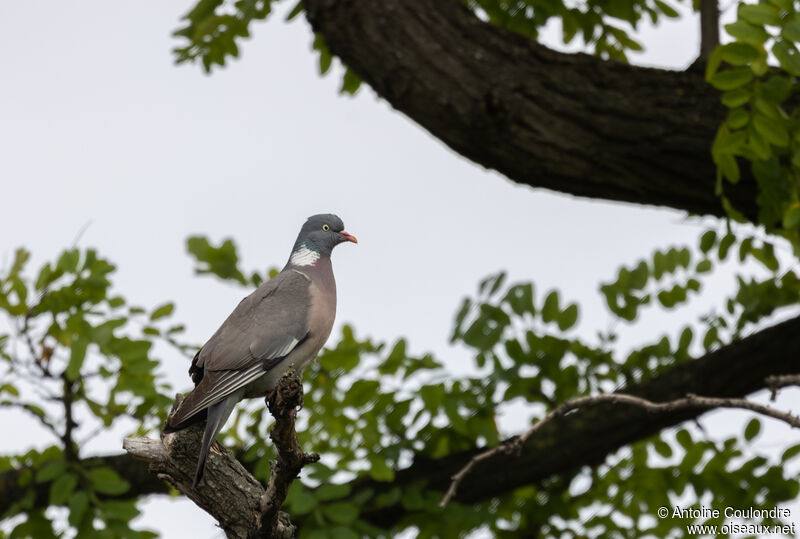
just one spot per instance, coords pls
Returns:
(228, 492)
(709, 27)
(567, 122)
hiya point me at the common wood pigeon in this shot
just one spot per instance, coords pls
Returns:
(283, 324)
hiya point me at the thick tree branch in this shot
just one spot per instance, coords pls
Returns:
(228, 491)
(567, 122)
(587, 437)
(513, 446)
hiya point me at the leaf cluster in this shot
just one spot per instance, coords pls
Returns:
(77, 359)
(761, 129)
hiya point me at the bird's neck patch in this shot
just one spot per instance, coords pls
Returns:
(306, 254)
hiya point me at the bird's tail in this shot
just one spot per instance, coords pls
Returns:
(216, 417)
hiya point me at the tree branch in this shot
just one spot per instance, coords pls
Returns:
(709, 28)
(587, 437)
(514, 445)
(568, 122)
(228, 491)
(283, 405)
(776, 383)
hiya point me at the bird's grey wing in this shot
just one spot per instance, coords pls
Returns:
(263, 329)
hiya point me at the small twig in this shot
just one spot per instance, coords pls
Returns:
(776, 383)
(35, 412)
(283, 404)
(70, 449)
(514, 445)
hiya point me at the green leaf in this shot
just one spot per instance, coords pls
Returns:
(773, 131)
(707, 240)
(350, 83)
(568, 317)
(107, 481)
(736, 98)
(730, 79)
(787, 55)
(791, 31)
(76, 358)
(341, 512)
(296, 10)
(62, 488)
(340, 532)
(790, 453)
(752, 429)
(777, 88)
(703, 266)
(714, 61)
(739, 54)
(331, 491)
(78, 503)
(727, 142)
(300, 500)
(162, 311)
(783, 4)
(725, 245)
(667, 10)
(550, 308)
(520, 299)
(759, 14)
(50, 471)
(738, 118)
(662, 448)
(379, 470)
(123, 510)
(746, 32)
(791, 218)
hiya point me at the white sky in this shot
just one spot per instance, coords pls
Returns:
(97, 125)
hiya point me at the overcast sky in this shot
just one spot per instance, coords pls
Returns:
(98, 126)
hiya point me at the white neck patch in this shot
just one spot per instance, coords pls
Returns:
(304, 257)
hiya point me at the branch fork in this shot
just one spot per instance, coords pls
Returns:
(228, 491)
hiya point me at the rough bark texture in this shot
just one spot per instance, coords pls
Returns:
(291, 457)
(567, 122)
(228, 492)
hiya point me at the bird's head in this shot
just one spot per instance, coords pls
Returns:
(319, 235)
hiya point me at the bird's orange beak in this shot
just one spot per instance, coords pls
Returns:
(348, 237)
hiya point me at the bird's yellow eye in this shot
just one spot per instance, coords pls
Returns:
(325, 228)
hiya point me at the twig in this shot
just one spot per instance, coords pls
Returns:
(514, 445)
(70, 449)
(775, 383)
(283, 404)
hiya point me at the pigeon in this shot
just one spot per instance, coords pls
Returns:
(282, 325)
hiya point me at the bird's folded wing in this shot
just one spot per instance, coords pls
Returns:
(263, 329)
(262, 326)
